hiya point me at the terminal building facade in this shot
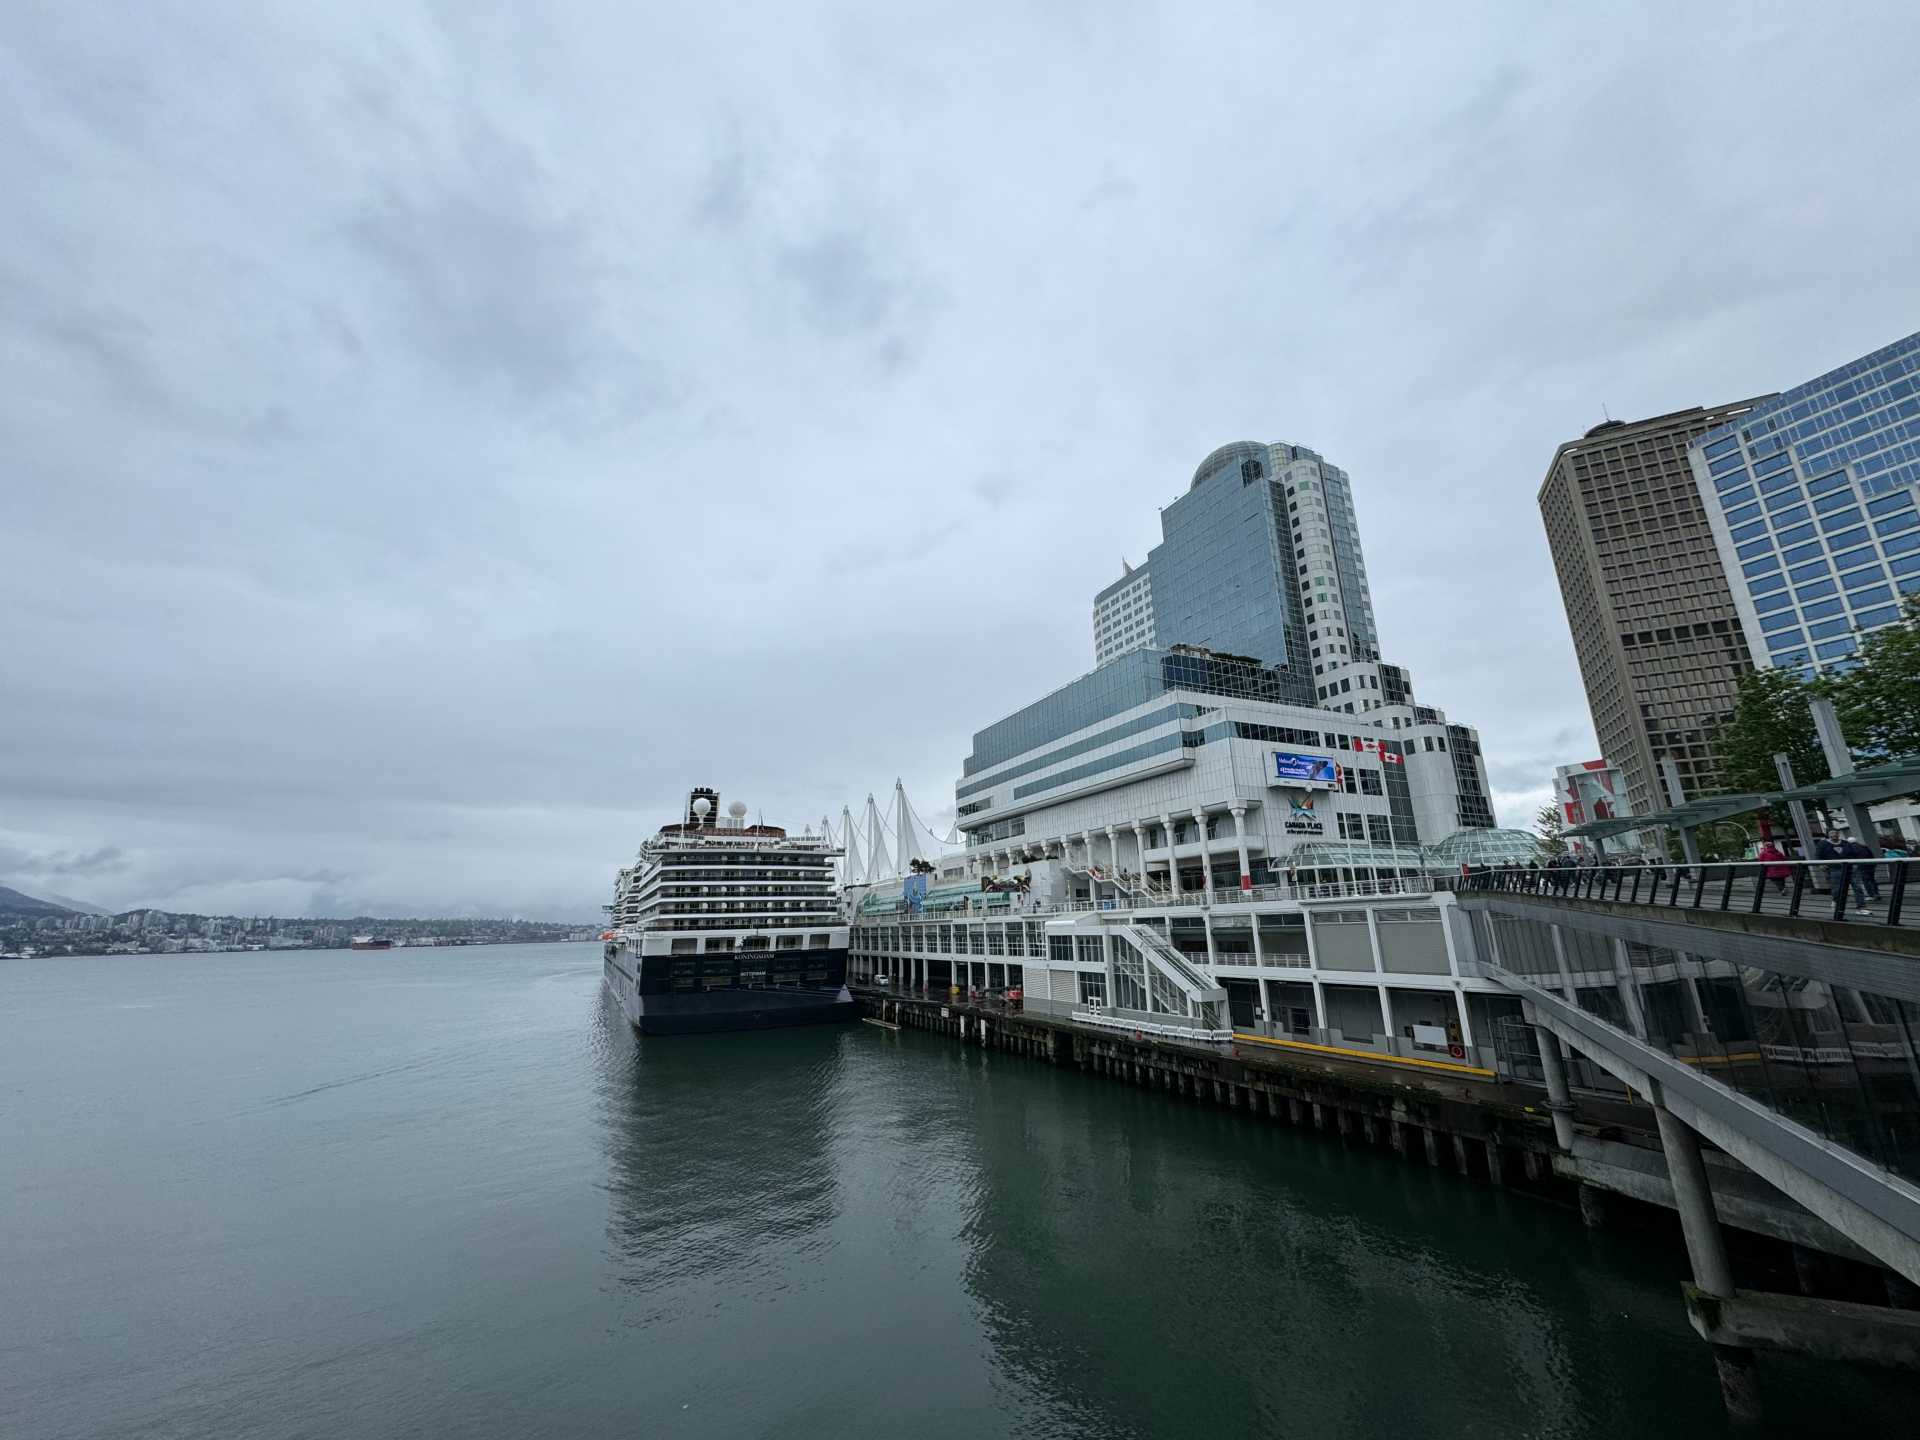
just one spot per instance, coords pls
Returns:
(1230, 824)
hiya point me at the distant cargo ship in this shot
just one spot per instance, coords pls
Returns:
(721, 925)
(372, 942)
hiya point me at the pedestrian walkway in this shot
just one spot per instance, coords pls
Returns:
(1859, 892)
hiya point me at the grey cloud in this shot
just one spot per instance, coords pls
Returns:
(113, 349)
(431, 446)
(101, 860)
(490, 284)
(841, 284)
(726, 191)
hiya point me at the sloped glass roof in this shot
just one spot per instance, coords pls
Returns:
(1484, 847)
(1355, 854)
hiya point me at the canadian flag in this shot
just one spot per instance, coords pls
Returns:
(1377, 747)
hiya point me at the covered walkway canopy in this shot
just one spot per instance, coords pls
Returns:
(1704, 811)
(1888, 780)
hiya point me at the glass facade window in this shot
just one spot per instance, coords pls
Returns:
(1850, 439)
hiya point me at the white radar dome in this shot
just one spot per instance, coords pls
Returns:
(738, 809)
(702, 805)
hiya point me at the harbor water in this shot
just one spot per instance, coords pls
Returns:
(449, 1192)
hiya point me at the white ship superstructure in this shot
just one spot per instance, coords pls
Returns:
(723, 925)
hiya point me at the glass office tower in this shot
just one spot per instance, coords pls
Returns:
(1811, 497)
(1260, 557)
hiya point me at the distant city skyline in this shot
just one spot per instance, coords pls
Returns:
(435, 443)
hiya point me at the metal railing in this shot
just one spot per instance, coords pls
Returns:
(1290, 891)
(1858, 891)
(1413, 886)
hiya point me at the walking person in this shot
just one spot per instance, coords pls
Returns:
(1856, 849)
(1777, 871)
(1839, 874)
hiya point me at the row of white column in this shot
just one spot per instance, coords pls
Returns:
(1087, 839)
(915, 972)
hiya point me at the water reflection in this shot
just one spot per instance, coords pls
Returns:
(841, 1231)
(1159, 1268)
(719, 1161)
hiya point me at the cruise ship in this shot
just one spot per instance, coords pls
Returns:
(721, 925)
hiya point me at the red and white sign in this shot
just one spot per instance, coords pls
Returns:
(1377, 747)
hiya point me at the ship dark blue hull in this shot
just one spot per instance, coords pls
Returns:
(738, 1010)
(653, 1009)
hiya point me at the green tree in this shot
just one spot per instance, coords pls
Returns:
(1547, 826)
(1770, 715)
(1878, 701)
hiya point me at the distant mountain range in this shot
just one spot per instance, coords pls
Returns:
(16, 902)
(72, 904)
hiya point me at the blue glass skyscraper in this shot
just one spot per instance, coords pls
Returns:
(1812, 500)
(1260, 557)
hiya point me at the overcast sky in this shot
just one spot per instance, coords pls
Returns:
(433, 441)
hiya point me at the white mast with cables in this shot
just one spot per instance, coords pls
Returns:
(850, 870)
(876, 842)
(867, 845)
(902, 847)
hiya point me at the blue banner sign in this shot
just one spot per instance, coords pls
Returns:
(1290, 769)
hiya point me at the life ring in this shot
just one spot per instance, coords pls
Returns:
(1458, 1052)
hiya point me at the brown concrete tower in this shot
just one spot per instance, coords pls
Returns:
(1653, 620)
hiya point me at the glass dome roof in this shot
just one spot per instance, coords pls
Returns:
(1485, 847)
